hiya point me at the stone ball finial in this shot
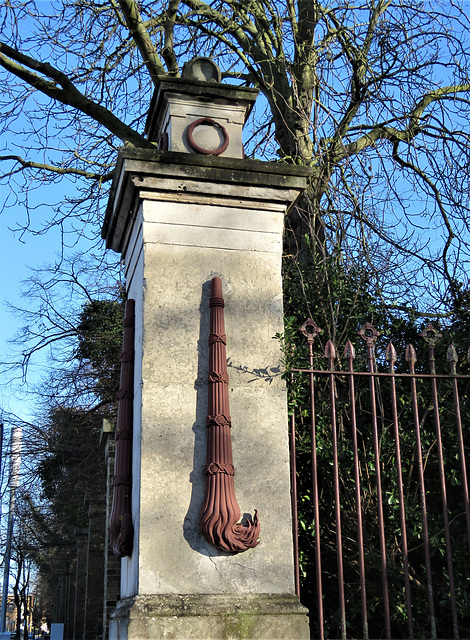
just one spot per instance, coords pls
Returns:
(201, 69)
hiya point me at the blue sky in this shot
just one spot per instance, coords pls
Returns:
(21, 256)
(18, 256)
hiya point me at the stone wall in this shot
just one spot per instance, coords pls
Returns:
(112, 564)
(89, 588)
(95, 568)
(79, 608)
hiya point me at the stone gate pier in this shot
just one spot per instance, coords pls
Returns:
(180, 215)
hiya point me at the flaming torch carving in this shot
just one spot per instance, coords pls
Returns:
(120, 522)
(220, 515)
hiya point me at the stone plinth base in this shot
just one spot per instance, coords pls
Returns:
(210, 617)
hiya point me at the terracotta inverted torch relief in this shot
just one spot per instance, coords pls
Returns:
(120, 522)
(220, 515)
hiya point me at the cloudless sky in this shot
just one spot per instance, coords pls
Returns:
(18, 256)
(21, 255)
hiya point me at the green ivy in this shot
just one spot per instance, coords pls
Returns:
(340, 300)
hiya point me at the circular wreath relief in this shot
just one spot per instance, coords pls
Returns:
(212, 123)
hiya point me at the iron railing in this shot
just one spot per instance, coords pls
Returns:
(380, 491)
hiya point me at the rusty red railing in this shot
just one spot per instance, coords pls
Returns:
(380, 491)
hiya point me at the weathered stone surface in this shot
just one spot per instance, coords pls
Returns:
(174, 407)
(179, 101)
(252, 182)
(173, 246)
(212, 617)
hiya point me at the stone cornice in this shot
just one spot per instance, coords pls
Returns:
(149, 170)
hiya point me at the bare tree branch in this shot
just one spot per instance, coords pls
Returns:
(17, 63)
(142, 39)
(27, 164)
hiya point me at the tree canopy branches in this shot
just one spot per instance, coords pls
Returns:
(373, 97)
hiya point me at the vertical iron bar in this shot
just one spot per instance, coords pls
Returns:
(310, 335)
(392, 358)
(330, 354)
(432, 336)
(452, 360)
(370, 341)
(295, 514)
(349, 353)
(411, 359)
(316, 501)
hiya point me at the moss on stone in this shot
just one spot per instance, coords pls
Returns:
(240, 627)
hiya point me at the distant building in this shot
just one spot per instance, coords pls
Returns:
(11, 616)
